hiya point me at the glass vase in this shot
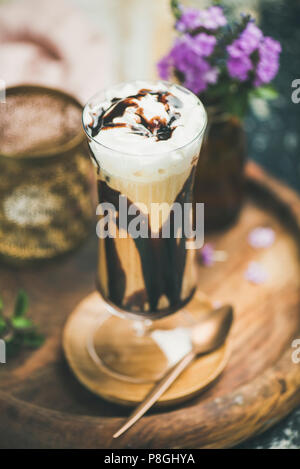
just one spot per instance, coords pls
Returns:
(220, 177)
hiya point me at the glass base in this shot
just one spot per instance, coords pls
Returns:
(140, 351)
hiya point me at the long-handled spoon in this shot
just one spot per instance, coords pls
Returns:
(206, 336)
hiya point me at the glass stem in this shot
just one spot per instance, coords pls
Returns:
(143, 327)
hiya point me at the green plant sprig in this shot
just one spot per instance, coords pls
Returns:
(18, 331)
(176, 9)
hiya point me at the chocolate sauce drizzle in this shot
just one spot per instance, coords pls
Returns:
(163, 260)
(157, 127)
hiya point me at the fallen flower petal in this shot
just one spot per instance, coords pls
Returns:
(256, 274)
(261, 237)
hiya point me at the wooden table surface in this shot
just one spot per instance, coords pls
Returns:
(42, 404)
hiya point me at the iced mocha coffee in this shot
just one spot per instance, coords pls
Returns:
(145, 140)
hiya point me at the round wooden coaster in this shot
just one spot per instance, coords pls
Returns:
(80, 328)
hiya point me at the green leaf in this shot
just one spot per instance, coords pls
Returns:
(13, 347)
(237, 104)
(21, 323)
(21, 305)
(33, 340)
(176, 9)
(3, 325)
(19, 332)
(217, 91)
(267, 92)
(1, 305)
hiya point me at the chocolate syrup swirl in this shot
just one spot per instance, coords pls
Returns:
(163, 260)
(158, 127)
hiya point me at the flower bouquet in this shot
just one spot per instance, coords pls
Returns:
(227, 64)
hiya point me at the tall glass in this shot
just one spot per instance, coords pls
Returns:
(146, 269)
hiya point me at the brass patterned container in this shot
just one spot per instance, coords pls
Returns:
(46, 203)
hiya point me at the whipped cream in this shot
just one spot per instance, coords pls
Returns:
(144, 129)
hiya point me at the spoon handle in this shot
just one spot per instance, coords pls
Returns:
(156, 392)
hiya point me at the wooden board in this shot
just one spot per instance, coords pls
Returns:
(43, 406)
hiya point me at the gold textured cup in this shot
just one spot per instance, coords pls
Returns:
(46, 204)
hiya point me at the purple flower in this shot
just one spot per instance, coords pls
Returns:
(197, 79)
(212, 18)
(164, 67)
(202, 44)
(211, 75)
(247, 43)
(240, 61)
(188, 56)
(239, 67)
(189, 20)
(268, 65)
(197, 62)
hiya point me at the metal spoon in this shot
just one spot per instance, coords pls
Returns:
(206, 336)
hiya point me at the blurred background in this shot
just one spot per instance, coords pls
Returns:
(83, 45)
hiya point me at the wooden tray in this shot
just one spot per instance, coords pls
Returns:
(43, 406)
